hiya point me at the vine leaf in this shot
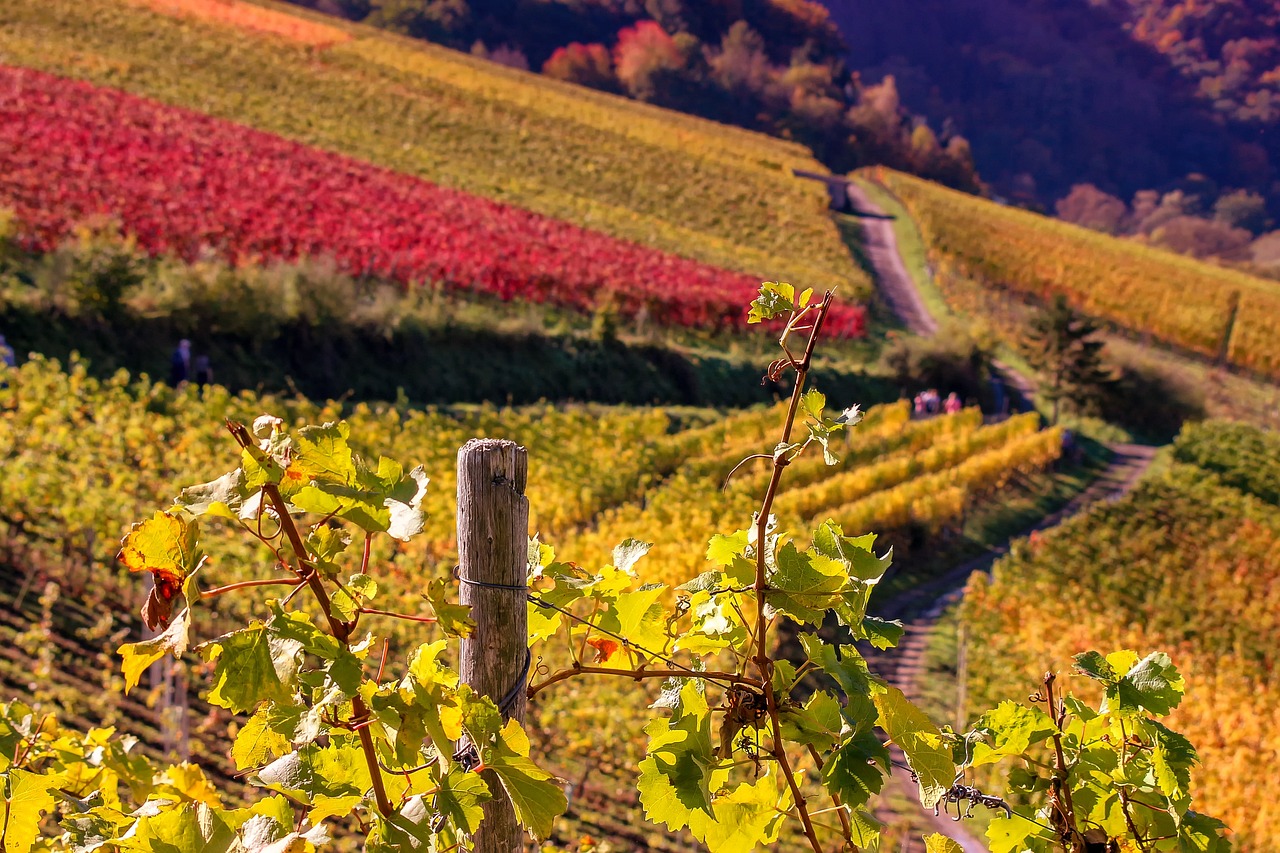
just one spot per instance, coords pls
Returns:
(536, 795)
(746, 819)
(628, 553)
(1013, 728)
(266, 736)
(776, 298)
(935, 843)
(346, 603)
(921, 742)
(460, 797)
(857, 769)
(331, 778)
(193, 828)
(224, 497)
(137, 657)
(1153, 683)
(1172, 756)
(26, 796)
(1019, 833)
(674, 774)
(166, 545)
(804, 584)
(453, 618)
(250, 666)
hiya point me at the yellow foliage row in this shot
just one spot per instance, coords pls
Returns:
(1191, 304)
(938, 499)
(1185, 566)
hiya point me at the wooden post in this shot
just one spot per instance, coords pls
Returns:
(493, 548)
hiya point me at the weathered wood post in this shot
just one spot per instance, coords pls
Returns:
(493, 551)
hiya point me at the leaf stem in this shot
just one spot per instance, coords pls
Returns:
(408, 618)
(845, 826)
(232, 587)
(642, 673)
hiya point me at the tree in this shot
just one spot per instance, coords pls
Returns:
(1061, 344)
(1242, 209)
(1091, 207)
(584, 64)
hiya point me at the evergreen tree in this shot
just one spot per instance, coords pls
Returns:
(1061, 344)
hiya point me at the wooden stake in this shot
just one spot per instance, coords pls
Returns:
(493, 548)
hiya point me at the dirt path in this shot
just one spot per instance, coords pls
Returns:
(898, 289)
(921, 607)
(892, 279)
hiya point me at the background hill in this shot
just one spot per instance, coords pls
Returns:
(1124, 94)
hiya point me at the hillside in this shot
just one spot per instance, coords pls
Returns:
(1198, 307)
(601, 162)
(1126, 95)
(1188, 562)
(592, 472)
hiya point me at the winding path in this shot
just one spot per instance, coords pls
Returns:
(920, 607)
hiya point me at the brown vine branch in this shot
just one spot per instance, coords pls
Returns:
(307, 574)
(780, 461)
(1064, 815)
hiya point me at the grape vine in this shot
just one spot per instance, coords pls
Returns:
(744, 746)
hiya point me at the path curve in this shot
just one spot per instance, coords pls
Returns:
(921, 607)
(898, 289)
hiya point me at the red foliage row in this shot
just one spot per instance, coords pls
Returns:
(186, 183)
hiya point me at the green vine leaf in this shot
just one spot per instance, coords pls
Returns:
(919, 739)
(453, 618)
(252, 666)
(748, 818)
(935, 843)
(1012, 729)
(857, 769)
(675, 773)
(332, 778)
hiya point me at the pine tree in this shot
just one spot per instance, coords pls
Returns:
(1061, 344)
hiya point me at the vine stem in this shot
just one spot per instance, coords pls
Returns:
(232, 587)
(845, 826)
(1060, 791)
(640, 674)
(762, 660)
(340, 631)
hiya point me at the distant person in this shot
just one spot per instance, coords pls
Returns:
(6, 359)
(918, 403)
(203, 371)
(180, 364)
(932, 401)
(953, 404)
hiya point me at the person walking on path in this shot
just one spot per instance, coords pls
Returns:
(6, 354)
(180, 364)
(952, 405)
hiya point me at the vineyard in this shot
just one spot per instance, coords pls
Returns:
(1191, 561)
(594, 471)
(679, 185)
(1203, 308)
(75, 153)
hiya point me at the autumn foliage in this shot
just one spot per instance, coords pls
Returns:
(189, 184)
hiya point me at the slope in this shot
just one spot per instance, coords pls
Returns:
(686, 186)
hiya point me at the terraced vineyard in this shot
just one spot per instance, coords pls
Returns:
(1190, 561)
(682, 185)
(1203, 308)
(597, 475)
